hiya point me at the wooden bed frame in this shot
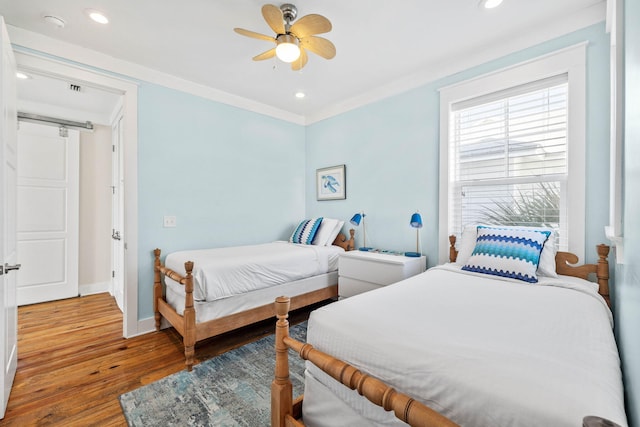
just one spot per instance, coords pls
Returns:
(286, 412)
(193, 332)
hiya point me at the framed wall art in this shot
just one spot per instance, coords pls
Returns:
(331, 183)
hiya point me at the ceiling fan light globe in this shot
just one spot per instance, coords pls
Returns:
(287, 49)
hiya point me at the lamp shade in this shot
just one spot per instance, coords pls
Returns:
(416, 220)
(355, 220)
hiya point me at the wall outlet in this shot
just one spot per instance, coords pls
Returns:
(169, 221)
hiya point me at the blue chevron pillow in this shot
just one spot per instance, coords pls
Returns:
(507, 252)
(306, 231)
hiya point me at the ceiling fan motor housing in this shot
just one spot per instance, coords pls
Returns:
(289, 12)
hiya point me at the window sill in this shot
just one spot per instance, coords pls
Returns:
(617, 242)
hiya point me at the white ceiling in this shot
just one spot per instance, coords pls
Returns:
(383, 47)
(47, 96)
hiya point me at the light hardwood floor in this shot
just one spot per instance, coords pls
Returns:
(73, 362)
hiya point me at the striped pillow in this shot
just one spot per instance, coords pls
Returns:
(306, 231)
(507, 252)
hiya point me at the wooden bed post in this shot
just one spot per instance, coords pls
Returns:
(453, 254)
(281, 387)
(352, 240)
(346, 244)
(157, 287)
(189, 338)
(602, 271)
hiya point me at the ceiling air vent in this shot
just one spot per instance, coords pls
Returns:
(75, 88)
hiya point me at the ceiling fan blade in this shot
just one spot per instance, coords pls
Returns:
(265, 55)
(253, 34)
(309, 25)
(273, 15)
(319, 46)
(301, 61)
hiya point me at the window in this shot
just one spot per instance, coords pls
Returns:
(508, 157)
(505, 145)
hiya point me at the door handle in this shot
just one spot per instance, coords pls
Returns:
(8, 268)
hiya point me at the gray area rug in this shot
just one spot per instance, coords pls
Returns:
(232, 389)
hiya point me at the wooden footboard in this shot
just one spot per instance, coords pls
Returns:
(193, 332)
(287, 412)
(185, 324)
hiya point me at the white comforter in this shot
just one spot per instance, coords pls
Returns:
(482, 351)
(224, 272)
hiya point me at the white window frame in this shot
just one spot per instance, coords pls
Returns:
(615, 23)
(570, 60)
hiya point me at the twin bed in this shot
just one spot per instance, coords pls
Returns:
(464, 347)
(224, 289)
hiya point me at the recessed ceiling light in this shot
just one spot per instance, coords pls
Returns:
(97, 16)
(21, 75)
(490, 4)
(300, 95)
(55, 20)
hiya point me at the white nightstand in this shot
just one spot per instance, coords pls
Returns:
(360, 271)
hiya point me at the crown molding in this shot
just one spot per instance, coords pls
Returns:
(87, 57)
(449, 66)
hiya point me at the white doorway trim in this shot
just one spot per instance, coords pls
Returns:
(117, 215)
(28, 61)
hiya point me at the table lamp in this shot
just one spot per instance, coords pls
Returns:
(416, 222)
(355, 220)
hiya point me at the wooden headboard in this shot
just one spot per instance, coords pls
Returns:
(347, 244)
(566, 265)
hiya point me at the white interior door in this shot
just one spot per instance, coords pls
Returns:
(48, 211)
(117, 215)
(8, 246)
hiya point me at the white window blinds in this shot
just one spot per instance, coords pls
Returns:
(508, 157)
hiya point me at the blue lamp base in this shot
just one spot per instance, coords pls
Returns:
(413, 254)
(365, 249)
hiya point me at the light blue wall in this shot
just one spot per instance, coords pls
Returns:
(391, 152)
(627, 290)
(230, 176)
(390, 149)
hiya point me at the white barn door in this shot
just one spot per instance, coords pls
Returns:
(8, 246)
(48, 212)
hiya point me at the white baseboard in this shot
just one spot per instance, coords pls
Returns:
(148, 325)
(94, 288)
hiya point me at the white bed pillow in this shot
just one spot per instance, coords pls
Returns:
(466, 243)
(334, 233)
(324, 232)
(546, 266)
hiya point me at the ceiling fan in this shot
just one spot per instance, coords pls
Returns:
(293, 40)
